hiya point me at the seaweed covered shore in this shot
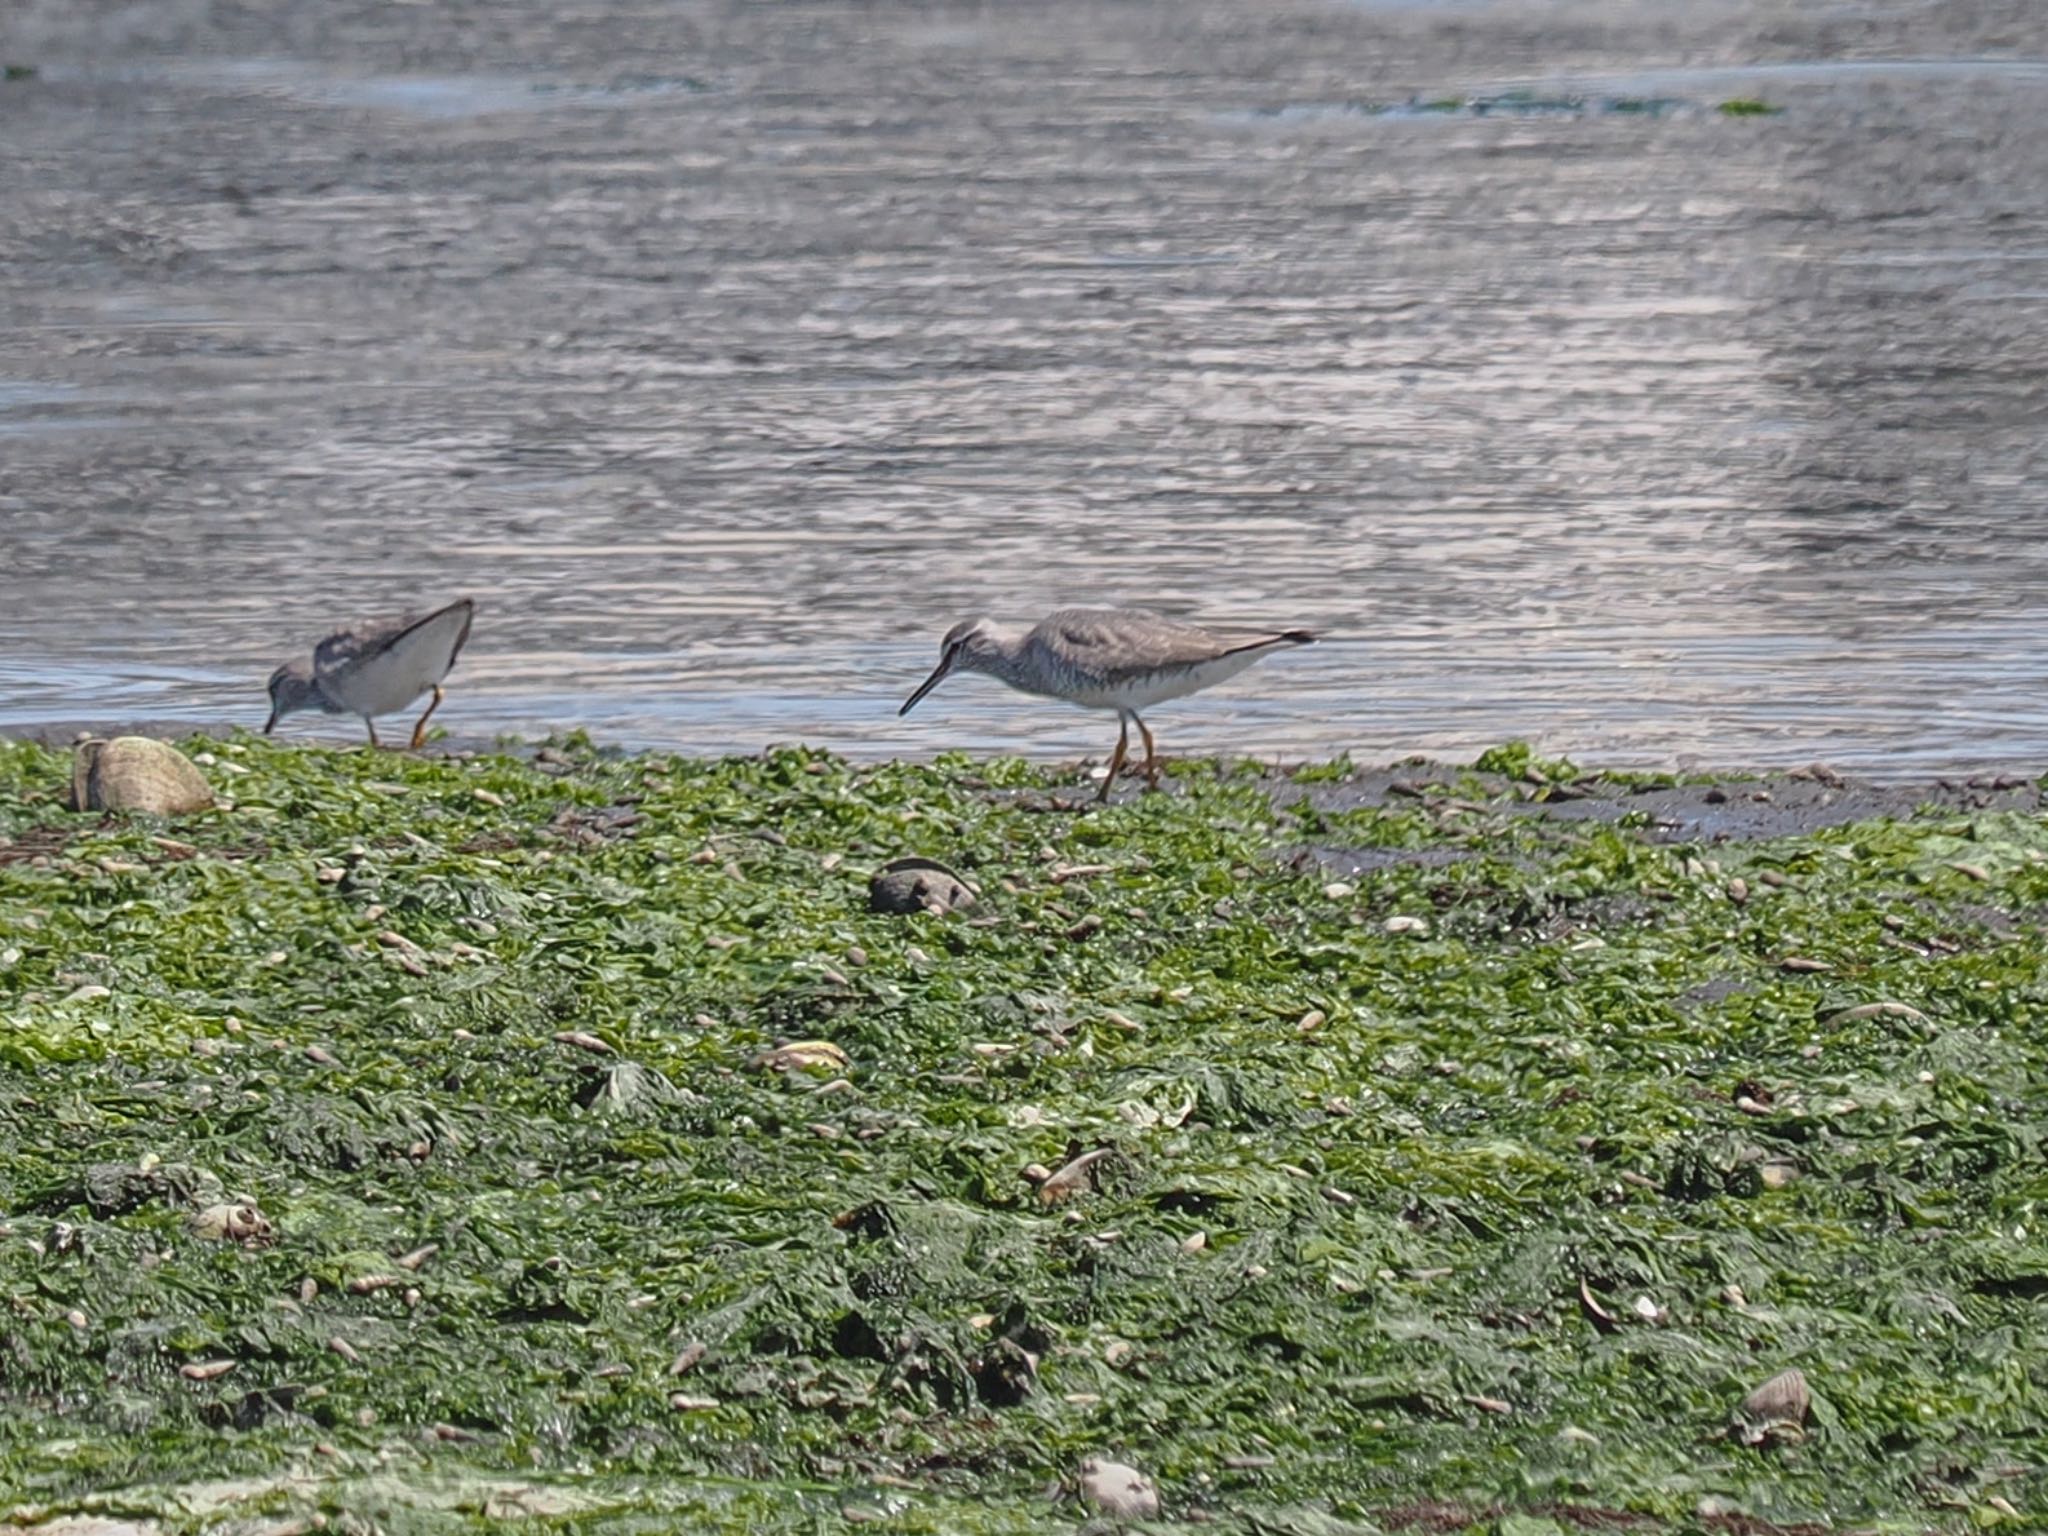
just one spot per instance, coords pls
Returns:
(429, 1143)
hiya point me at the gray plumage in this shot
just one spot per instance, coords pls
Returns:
(1122, 659)
(375, 667)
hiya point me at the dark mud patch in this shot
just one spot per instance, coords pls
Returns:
(1428, 1518)
(1737, 808)
(1362, 861)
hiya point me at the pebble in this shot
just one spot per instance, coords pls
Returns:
(917, 885)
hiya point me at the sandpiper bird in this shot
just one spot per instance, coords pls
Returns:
(376, 668)
(1125, 659)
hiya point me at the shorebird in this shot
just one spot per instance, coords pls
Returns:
(1125, 659)
(376, 668)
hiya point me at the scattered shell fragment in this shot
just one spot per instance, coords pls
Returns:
(1885, 1009)
(340, 1346)
(1405, 924)
(1803, 964)
(77, 1319)
(1119, 1491)
(583, 1040)
(1337, 890)
(1776, 1410)
(683, 1402)
(366, 1285)
(1075, 1177)
(686, 1360)
(802, 1055)
(206, 1370)
(238, 1222)
(1596, 1314)
(418, 1256)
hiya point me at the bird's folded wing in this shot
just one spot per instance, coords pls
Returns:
(345, 647)
(1128, 646)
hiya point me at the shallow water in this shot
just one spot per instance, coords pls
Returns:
(727, 353)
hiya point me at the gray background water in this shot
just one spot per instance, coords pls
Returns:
(728, 351)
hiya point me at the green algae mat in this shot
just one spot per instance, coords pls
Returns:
(559, 1138)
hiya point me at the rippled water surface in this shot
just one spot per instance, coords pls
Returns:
(727, 352)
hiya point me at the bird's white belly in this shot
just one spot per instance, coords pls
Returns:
(1157, 687)
(387, 682)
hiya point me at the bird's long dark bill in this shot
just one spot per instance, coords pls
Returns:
(270, 724)
(927, 685)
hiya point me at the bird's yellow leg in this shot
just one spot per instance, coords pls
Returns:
(1151, 754)
(419, 730)
(1116, 758)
